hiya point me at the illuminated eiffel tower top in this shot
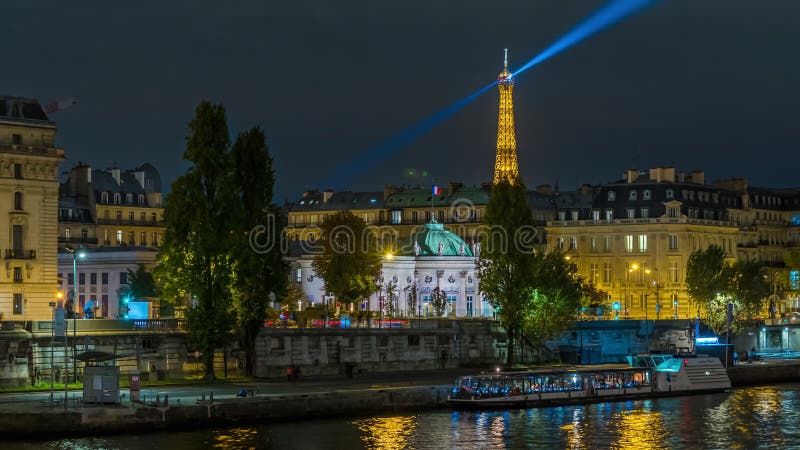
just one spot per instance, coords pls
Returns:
(505, 163)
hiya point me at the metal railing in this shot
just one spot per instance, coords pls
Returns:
(141, 223)
(20, 254)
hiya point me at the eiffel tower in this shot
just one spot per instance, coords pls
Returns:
(505, 163)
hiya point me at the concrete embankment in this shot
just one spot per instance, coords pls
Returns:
(773, 372)
(92, 420)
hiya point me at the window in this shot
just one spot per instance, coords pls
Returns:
(631, 213)
(123, 278)
(16, 139)
(673, 271)
(70, 279)
(672, 212)
(632, 195)
(18, 201)
(670, 194)
(16, 238)
(143, 217)
(593, 273)
(413, 341)
(645, 213)
(104, 277)
(131, 238)
(154, 242)
(607, 272)
(130, 216)
(66, 233)
(629, 243)
(673, 241)
(646, 194)
(18, 275)
(140, 199)
(560, 243)
(562, 215)
(299, 275)
(609, 214)
(18, 303)
(129, 198)
(119, 216)
(82, 278)
(153, 217)
(608, 243)
(593, 244)
(397, 217)
(596, 214)
(143, 238)
(574, 214)
(642, 243)
(104, 198)
(18, 171)
(573, 244)
(612, 196)
(469, 306)
(92, 278)
(119, 237)
(84, 233)
(117, 198)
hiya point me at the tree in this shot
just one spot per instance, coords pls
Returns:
(141, 283)
(554, 299)
(413, 301)
(292, 298)
(438, 301)
(349, 262)
(594, 299)
(713, 284)
(195, 257)
(390, 301)
(505, 264)
(260, 270)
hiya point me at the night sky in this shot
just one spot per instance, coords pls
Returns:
(699, 84)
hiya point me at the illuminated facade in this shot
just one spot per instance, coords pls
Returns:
(505, 165)
(29, 163)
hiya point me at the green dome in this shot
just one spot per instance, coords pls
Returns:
(434, 237)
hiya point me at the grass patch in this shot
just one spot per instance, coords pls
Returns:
(124, 383)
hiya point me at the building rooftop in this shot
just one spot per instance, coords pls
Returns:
(21, 108)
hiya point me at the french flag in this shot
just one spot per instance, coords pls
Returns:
(437, 190)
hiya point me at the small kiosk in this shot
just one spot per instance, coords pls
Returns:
(100, 382)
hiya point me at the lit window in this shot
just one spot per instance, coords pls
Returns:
(612, 196)
(632, 195)
(670, 193)
(642, 243)
(596, 214)
(397, 217)
(609, 214)
(574, 214)
(629, 243)
(646, 194)
(673, 241)
(631, 213)
(645, 213)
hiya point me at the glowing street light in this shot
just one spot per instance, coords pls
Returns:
(76, 253)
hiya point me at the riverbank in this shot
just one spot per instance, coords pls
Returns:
(191, 407)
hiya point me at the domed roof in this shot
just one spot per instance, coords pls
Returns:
(434, 240)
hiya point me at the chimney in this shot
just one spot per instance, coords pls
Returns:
(115, 174)
(79, 179)
(544, 189)
(696, 177)
(632, 175)
(139, 175)
(452, 187)
(326, 195)
(733, 184)
(662, 174)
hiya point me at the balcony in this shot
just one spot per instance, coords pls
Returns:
(77, 240)
(20, 254)
(647, 221)
(137, 223)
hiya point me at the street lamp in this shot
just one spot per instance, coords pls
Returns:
(76, 253)
(657, 286)
(630, 268)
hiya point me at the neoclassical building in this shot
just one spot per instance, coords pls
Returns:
(432, 258)
(29, 162)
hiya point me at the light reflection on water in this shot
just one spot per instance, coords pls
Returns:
(757, 417)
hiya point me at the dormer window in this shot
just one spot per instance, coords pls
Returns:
(140, 199)
(104, 197)
(646, 194)
(612, 196)
(129, 198)
(117, 198)
(632, 195)
(670, 194)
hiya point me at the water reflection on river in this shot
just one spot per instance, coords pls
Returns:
(746, 418)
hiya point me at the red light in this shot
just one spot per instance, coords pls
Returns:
(685, 362)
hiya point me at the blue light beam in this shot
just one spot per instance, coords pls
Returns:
(371, 157)
(611, 13)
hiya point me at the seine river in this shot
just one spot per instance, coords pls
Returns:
(756, 417)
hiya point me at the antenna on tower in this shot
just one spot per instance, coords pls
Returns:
(505, 58)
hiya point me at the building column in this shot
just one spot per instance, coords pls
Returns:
(461, 300)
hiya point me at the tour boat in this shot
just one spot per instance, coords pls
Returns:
(647, 376)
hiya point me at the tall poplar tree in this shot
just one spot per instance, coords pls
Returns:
(260, 269)
(506, 268)
(195, 258)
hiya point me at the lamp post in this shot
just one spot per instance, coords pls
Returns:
(76, 253)
(630, 268)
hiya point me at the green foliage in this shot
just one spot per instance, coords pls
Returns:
(207, 254)
(713, 283)
(505, 269)
(141, 283)
(349, 262)
(292, 297)
(594, 298)
(390, 299)
(413, 301)
(555, 297)
(438, 300)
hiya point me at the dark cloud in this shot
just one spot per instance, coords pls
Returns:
(700, 84)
